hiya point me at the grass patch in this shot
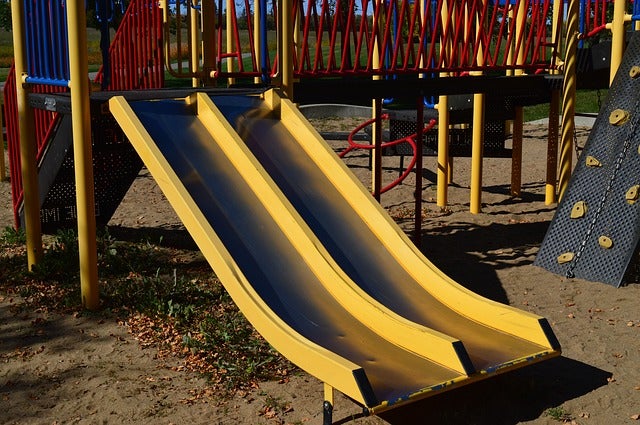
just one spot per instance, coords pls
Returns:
(11, 237)
(587, 101)
(176, 305)
(558, 414)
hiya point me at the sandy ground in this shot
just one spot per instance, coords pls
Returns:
(79, 369)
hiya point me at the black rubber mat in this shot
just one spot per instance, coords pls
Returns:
(600, 241)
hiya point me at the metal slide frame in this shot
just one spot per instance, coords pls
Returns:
(313, 313)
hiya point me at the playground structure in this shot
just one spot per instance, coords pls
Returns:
(400, 49)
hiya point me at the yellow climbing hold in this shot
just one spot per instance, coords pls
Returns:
(592, 161)
(579, 209)
(605, 242)
(634, 72)
(632, 194)
(618, 117)
(566, 257)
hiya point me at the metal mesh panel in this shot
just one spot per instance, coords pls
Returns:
(600, 244)
(459, 139)
(115, 166)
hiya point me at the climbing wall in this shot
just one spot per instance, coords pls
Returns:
(594, 234)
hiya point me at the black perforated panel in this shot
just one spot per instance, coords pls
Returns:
(115, 166)
(609, 215)
(459, 139)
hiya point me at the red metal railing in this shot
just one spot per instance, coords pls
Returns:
(390, 37)
(594, 16)
(136, 62)
(136, 58)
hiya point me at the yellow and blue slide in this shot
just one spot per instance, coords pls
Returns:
(312, 260)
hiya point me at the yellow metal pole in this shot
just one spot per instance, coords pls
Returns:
(257, 37)
(376, 111)
(477, 141)
(516, 152)
(569, 97)
(3, 168)
(510, 48)
(29, 169)
(287, 48)
(443, 172)
(297, 36)
(195, 42)
(82, 155)
(442, 180)
(376, 154)
(556, 31)
(554, 110)
(230, 41)
(617, 36)
(552, 149)
(521, 23)
(209, 48)
(477, 138)
(328, 393)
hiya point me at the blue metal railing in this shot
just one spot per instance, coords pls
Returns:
(46, 39)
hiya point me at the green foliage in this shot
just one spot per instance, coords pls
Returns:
(60, 261)
(117, 258)
(238, 352)
(558, 414)
(12, 237)
(5, 15)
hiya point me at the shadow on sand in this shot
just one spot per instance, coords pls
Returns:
(516, 397)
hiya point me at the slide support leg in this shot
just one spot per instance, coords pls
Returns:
(327, 405)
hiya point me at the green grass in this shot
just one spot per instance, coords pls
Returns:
(558, 414)
(6, 49)
(11, 237)
(587, 101)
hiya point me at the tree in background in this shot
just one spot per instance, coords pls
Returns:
(5, 15)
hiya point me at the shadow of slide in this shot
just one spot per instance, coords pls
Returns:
(519, 396)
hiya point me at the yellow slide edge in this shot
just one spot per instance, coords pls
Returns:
(436, 346)
(327, 366)
(490, 313)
